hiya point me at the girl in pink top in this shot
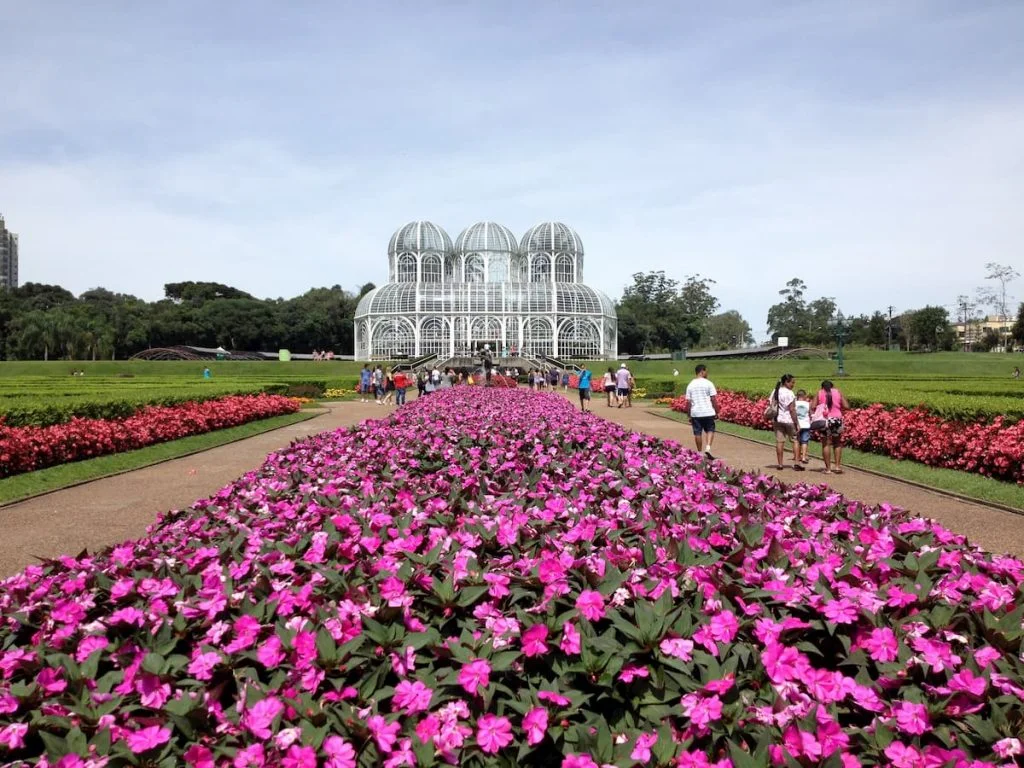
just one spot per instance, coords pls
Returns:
(829, 404)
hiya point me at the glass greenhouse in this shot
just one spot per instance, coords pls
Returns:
(520, 297)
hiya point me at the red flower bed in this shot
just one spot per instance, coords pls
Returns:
(994, 448)
(25, 449)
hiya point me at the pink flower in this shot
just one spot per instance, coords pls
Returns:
(570, 639)
(260, 716)
(533, 640)
(270, 653)
(413, 697)
(535, 723)
(701, 711)
(340, 754)
(475, 676)
(578, 761)
(966, 681)
(199, 756)
(881, 644)
(393, 590)
(384, 733)
(555, 698)
(493, 733)
(724, 626)
(903, 756)
(148, 738)
(250, 757)
(840, 611)
(911, 718)
(677, 647)
(642, 749)
(1007, 748)
(590, 604)
(299, 757)
(630, 672)
(88, 646)
(202, 665)
(13, 736)
(51, 681)
(402, 756)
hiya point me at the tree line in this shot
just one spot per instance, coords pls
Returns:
(41, 322)
(656, 313)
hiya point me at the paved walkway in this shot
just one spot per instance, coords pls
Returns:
(118, 508)
(990, 528)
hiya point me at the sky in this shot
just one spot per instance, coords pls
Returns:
(873, 149)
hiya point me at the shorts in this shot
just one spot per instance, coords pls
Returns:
(622, 391)
(584, 394)
(833, 430)
(702, 424)
(609, 388)
(804, 436)
(784, 432)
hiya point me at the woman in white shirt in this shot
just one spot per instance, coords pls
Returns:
(786, 421)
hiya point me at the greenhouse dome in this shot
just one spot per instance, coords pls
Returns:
(521, 299)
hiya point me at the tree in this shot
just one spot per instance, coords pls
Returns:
(655, 315)
(201, 292)
(997, 297)
(727, 330)
(929, 329)
(1018, 327)
(789, 317)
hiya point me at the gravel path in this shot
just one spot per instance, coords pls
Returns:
(114, 509)
(990, 528)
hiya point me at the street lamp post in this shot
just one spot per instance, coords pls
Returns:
(839, 327)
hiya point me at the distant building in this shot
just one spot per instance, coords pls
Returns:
(488, 288)
(8, 257)
(972, 332)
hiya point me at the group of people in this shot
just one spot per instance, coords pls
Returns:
(322, 354)
(795, 416)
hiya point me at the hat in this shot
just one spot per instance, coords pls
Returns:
(622, 366)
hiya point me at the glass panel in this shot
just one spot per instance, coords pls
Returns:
(392, 339)
(580, 339)
(433, 336)
(475, 272)
(540, 269)
(563, 269)
(538, 338)
(406, 268)
(432, 268)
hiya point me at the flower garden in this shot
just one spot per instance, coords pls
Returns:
(490, 578)
(992, 447)
(28, 448)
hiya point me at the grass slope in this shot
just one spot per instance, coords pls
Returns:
(30, 484)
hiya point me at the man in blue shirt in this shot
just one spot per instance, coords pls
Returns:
(364, 382)
(584, 386)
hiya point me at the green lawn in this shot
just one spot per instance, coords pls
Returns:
(962, 483)
(54, 478)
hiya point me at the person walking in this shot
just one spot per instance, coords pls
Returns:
(785, 421)
(608, 382)
(703, 399)
(622, 377)
(389, 388)
(378, 384)
(829, 404)
(584, 388)
(401, 384)
(365, 379)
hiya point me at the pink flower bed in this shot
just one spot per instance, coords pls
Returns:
(24, 449)
(995, 448)
(489, 578)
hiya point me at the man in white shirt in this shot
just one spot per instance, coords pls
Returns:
(622, 377)
(703, 399)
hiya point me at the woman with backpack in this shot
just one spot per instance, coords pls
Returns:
(782, 412)
(828, 407)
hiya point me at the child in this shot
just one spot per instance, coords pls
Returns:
(803, 426)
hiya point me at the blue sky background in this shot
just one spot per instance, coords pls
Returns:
(875, 149)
